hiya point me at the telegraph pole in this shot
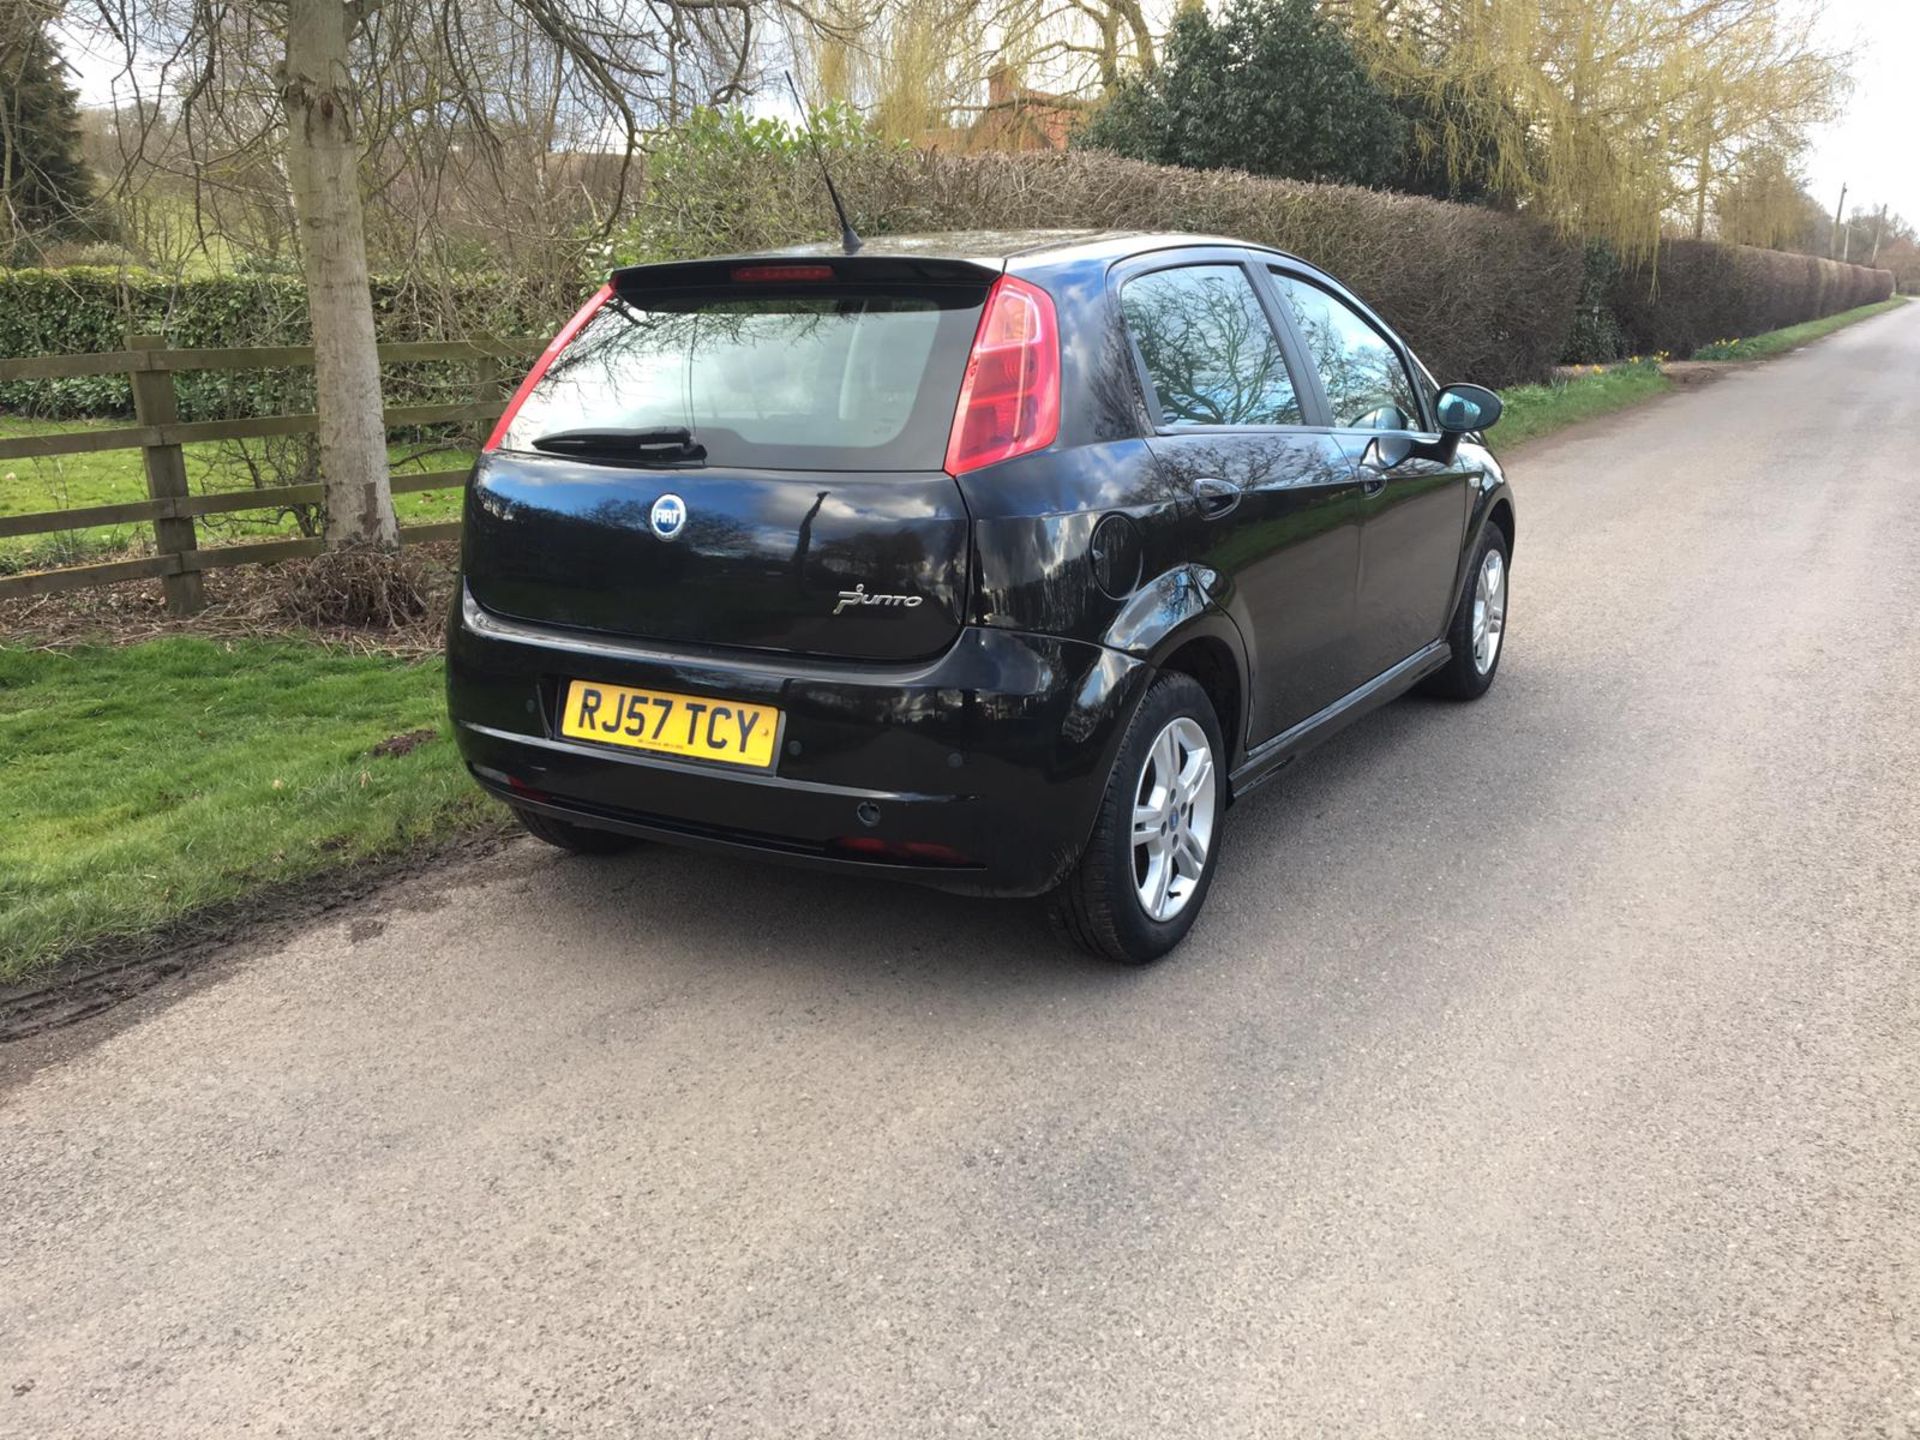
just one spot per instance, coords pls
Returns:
(1833, 240)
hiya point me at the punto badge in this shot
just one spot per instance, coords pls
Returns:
(859, 596)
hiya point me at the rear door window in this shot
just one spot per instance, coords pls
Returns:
(1367, 384)
(1210, 352)
(853, 380)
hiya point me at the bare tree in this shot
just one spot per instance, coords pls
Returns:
(343, 102)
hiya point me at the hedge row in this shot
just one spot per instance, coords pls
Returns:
(1479, 294)
(1702, 291)
(83, 310)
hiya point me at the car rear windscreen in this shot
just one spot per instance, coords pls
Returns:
(852, 379)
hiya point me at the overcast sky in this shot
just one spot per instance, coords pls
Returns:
(1874, 148)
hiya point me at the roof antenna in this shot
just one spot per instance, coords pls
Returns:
(849, 242)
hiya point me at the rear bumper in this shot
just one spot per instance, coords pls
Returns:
(980, 770)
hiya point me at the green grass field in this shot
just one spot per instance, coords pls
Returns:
(109, 477)
(149, 781)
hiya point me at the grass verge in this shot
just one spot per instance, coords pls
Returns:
(1536, 410)
(1778, 342)
(146, 782)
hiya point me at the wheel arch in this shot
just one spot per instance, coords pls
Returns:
(1173, 623)
(1210, 662)
(1500, 516)
(1495, 508)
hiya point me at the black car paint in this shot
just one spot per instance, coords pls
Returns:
(941, 751)
(985, 720)
(762, 558)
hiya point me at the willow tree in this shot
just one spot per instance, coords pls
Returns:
(909, 66)
(916, 68)
(317, 87)
(1751, 85)
(1762, 201)
(1612, 118)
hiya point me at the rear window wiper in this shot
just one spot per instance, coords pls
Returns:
(667, 445)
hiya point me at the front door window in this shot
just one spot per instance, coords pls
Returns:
(1366, 382)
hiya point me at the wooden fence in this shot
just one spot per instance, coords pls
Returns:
(159, 434)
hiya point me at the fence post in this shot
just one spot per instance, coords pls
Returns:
(155, 403)
(489, 380)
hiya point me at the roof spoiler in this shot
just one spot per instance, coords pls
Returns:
(833, 269)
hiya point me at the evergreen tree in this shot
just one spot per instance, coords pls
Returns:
(1269, 86)
(46, 192)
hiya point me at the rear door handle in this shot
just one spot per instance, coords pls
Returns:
(1216, 497)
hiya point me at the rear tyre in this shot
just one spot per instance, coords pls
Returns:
(1477, 635)
(1145, 874)
(575, 839)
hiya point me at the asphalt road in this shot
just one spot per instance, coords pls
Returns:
(1544, 1066)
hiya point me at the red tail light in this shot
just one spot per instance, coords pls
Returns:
(547, 356)
(1010, 400)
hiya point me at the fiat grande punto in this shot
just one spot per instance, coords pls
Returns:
(1003, 563)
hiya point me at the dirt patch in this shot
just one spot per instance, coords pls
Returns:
(1690, 374)
(116, 970)
(396, 745)
(283, 601)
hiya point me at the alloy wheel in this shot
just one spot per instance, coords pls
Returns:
(1489, 610)
(1173, 819)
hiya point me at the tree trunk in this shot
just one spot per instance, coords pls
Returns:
(323, 164)
(9, 233)
(1702, 182)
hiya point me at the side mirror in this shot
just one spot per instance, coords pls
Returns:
(1464, 408)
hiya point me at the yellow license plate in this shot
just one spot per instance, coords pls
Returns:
(670, 724)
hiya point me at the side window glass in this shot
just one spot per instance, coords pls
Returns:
(1210, 351)
(1367, 385)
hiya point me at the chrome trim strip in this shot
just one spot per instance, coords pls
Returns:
(710, 770)
(484, 622)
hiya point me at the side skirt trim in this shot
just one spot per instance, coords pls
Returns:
(1266, 759)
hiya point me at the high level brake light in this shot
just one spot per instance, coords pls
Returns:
(1010, 399)
(547, 356)
(779, 274)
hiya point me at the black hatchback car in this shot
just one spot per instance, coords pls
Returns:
(996, 562)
